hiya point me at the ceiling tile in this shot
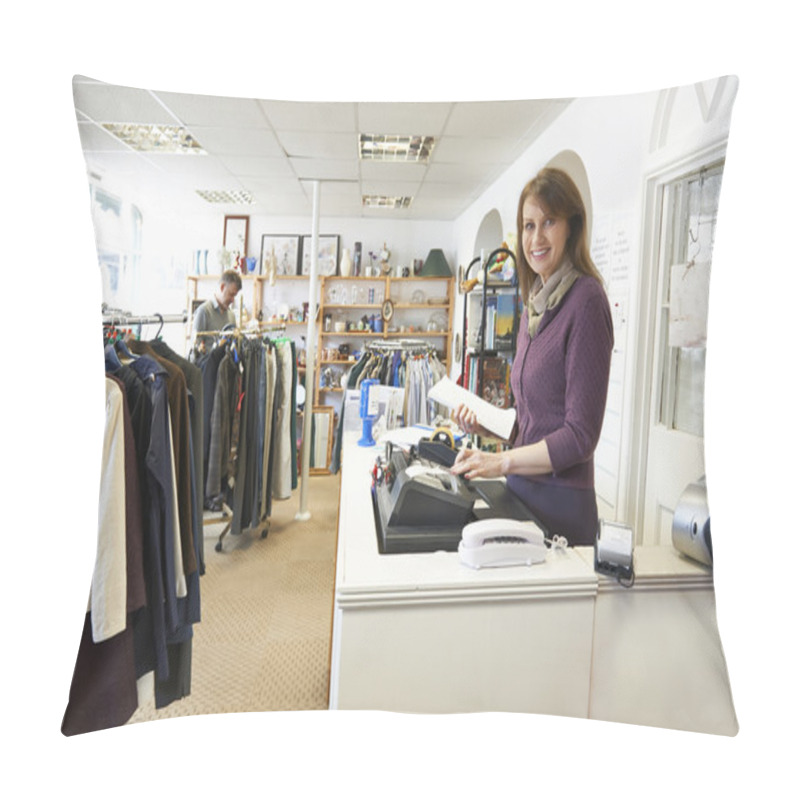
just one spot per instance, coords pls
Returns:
(104, 103)
(198, 109)
(511, 118)
(473, 150)
(97, 139)
(255, 167)
(461, 173)
(320, 169)
(306, 144)
(392, 171)
(196, 167)
(275, 187)
(295, 116)
(391, 188)
(346, 189)
(237, 141)
(403, 119)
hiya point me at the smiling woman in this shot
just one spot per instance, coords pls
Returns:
(561, 369)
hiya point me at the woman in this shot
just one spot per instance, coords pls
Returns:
(560, 373)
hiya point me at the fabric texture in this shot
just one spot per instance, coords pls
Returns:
(560, 381)
(548, 295)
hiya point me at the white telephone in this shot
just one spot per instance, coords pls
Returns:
(501, 543)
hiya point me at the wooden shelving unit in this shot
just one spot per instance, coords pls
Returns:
(347, 300)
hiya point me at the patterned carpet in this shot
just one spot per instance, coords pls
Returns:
(264, 640)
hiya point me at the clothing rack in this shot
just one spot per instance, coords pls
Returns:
(226, 515)
(124, 319)
(408, 345)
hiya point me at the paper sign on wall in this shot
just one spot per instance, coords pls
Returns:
(688, 304)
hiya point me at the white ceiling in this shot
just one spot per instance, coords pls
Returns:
(274, 149)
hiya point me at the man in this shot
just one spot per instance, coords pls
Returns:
(216, 314)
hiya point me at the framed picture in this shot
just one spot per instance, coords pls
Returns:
(327, 258)
(322, 433)
(234, 235)
(286, 250)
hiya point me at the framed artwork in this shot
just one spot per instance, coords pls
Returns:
(234, 235)
(322, 433)
(286, 250)
(327, 258)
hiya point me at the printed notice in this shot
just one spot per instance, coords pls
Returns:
(500, 421)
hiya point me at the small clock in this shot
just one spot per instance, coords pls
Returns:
(387, 310)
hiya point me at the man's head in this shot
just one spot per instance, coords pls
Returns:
(229, 287)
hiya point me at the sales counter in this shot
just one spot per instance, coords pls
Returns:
(421, 632)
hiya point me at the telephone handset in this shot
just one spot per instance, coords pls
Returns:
(501, 542)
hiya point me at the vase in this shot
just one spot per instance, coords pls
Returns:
(346, 265)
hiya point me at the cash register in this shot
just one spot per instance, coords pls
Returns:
(420, 506)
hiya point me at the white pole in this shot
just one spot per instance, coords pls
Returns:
(303, 513)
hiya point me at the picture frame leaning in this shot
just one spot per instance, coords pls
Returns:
(328, 256)
(286, 250)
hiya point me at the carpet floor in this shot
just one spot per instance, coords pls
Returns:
(263, 643)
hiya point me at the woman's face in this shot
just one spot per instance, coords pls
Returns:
(544, 238)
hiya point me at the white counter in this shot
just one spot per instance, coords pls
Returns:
(422, 632)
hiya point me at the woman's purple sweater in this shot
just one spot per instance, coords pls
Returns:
(560, 382)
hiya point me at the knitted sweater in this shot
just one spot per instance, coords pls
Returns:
(560, 382)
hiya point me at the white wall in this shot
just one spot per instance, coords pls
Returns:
(174, 229)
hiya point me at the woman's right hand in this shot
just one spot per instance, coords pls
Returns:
(467, 420)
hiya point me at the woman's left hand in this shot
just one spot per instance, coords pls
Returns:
(478, 464)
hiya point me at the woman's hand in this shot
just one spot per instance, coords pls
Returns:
(468, 421)
(478, 464)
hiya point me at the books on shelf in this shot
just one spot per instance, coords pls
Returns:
(499, 331)
(491, 321)
(504, 321)
(496, 379)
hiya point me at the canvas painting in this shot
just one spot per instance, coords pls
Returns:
(203, 569)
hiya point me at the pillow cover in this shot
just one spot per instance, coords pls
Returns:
(199, 441)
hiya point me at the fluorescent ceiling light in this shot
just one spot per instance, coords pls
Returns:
(382, 147)
(238, 196)
(381, 201)
(155, 138)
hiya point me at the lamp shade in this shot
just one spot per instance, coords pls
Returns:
(436, 266)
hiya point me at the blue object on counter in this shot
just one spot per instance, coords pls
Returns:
(368, 410)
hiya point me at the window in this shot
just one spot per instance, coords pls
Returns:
(690, 205)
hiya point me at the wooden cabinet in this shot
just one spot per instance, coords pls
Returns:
(354, 311)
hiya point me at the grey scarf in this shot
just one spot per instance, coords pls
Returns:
(548, 295)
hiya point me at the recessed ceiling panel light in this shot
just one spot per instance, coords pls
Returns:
(382, 147)
(382, 201)
(239, 197)
(155, 138)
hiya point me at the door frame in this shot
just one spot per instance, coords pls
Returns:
(645, 387)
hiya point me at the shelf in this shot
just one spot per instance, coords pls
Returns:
(418, 306)
(340, 306)
(411, 334)
(360, 334)
(399, 291)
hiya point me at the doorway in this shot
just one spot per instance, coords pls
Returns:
(671, 455)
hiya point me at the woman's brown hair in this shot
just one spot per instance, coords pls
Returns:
(558, 195)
